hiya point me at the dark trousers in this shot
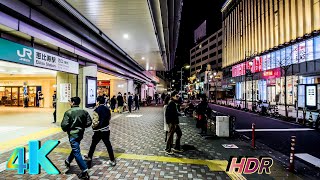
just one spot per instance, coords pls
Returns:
(76, 153)
(130, 107)
(113, 106)
(174, 129)
(105, 136)
(55, 115)
(137, 106)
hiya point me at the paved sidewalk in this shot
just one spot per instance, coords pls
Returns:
(138, 141)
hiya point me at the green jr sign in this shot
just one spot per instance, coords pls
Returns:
(13, 52)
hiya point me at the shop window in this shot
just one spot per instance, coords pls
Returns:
(295, 53)
(309, 50)
(288, 56)
(302, 52)
(317, 47)
(301, 96)
(273, 60)
(282, 57)
(264, 63)
(277, 58)
(268, 62)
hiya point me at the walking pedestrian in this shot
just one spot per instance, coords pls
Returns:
(136, 102)
(54, 104)
(100, 126)
(74, 122)
(156, 97)
(172, 119)
(202, 111)
(163, 96)
(120, 102)
(113, 102)
(165, 125)
(130, 101)
(26, 100)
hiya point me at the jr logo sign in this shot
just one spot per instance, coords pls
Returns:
(26, 54)
(250, 165)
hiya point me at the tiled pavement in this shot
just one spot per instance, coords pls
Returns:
(134, 137)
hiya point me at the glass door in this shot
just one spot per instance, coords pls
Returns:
(32, 92)
(21, 96)
(8, 96)
(15, 96)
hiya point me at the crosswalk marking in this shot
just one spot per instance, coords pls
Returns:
(309, 158)
(275, 130)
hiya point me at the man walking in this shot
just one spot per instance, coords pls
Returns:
(136, 102)
(120, 102)
(130, 101)
(100, 126)
(172, 119)
(74, 122)
(54, 104)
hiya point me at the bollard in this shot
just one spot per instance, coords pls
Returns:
(253, 140)
(291, 161)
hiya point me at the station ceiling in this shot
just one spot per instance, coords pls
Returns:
(129, 24)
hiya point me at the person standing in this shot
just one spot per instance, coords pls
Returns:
(74, 122)
(165, 125)
(130, 101)
(54, 104)
(100, 126)
(172, 119)
(163, 96)
(113, 103)
(202, 114)
(156, 97)
(120, 102)
(26, 101)
(136, 102)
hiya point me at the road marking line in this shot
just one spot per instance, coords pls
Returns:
(309, 158)
(275, 130)
(214, 165)
(24, 139)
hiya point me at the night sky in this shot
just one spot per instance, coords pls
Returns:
(194, 12)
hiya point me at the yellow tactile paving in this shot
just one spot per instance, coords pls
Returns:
(214, 165)
(25, 139)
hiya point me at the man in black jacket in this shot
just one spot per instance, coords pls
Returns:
(74, 122)
(172, 119)
(130, 101)
(100, 126)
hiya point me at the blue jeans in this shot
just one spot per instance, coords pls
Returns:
(76, 153)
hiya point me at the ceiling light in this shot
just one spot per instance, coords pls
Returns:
(151, 68)
(2, 70)
(143, 58)
(126, 36)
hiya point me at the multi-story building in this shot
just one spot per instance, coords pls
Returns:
(208, 51)
(265, 39)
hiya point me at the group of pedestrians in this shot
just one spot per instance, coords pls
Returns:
(124, 102)
(75, 121)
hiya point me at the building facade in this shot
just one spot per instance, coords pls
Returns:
(208, 51)
(271, 49)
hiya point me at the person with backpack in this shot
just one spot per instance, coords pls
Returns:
(74, 122)
(100, 126)
(202, 112)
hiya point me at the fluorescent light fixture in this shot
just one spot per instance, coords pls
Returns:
(2, 70)
(151, 68)
(143, 58)
(125, 36)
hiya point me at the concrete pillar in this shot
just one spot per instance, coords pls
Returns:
(62, 78)
(130, 87)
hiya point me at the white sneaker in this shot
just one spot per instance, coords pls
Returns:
(111, 163)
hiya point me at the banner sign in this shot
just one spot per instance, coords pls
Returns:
(65, 92)
(17, 53)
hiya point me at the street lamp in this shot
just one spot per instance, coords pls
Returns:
(183, 67)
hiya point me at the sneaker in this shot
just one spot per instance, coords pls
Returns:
(84, 175)
(111, 163)
(169, 153)
(177, 151)
(67, 164)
